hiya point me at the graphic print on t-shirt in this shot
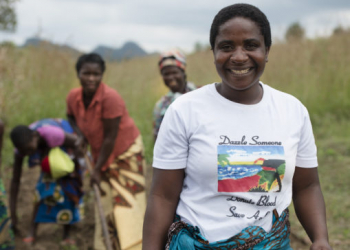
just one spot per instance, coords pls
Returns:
(250, 168)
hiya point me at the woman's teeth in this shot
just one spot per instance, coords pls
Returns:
(240, 72)
(172, 83)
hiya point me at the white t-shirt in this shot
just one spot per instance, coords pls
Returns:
(239, 160)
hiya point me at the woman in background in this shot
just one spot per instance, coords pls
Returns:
(99, 116)
(172, 66)
(6, 234)
(231, 156)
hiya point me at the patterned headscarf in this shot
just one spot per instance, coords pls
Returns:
(172, 58)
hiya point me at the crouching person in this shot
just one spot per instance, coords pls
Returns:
(50, 144)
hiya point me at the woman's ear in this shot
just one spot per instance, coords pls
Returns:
(267, 54)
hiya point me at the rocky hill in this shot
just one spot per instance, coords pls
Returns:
(127, 51)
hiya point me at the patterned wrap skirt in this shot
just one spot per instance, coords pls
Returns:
(124, 204)
(184, 236)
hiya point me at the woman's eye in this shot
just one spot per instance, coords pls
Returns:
(251, 46)
(226, 47)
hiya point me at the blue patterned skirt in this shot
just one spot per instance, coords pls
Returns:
(60, 200)
(184, 236)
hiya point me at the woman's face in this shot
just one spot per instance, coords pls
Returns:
(90, 76)
(31, 147)
(174, 78)
(240, 54)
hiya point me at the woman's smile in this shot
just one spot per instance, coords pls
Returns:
(240, 72)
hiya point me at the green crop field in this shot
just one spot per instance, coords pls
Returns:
(34, 83)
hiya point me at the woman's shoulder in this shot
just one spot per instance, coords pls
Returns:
(284, 99)
(109, 92)
(275, 93)
(76, 90)
(196, 95)
(73, 93)
(193, 101)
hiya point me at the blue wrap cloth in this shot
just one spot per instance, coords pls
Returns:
(184, 236)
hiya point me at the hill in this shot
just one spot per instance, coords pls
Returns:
(38, 42)
(127, 51)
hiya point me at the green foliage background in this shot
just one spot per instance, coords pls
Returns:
(8, 18)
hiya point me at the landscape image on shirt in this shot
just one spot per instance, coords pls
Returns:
(250, 168)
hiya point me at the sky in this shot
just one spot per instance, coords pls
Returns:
(158, 25)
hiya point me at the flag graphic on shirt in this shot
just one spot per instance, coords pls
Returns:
(250, 168)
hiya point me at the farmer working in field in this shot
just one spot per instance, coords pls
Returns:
(6, 234)
(231, 156)
(100, 118)
(172, 66)
(49, 143)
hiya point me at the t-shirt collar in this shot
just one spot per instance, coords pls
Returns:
(97, 97)
(239, 105)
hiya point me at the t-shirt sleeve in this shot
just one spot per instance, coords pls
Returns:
(113, 105)
(171, 148)
(54, 136)
(307, 150)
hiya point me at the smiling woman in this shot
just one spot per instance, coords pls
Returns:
(197, 170)
(172, 65)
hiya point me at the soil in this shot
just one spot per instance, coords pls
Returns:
(49, 236)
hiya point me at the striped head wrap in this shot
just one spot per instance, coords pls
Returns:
(172, 58)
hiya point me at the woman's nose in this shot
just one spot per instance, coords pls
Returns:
(91, 77)
(239, 56)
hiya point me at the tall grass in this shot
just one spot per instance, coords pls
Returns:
(35, 82)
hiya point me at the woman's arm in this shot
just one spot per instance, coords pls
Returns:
(310, 207)
(80, 143)
(161, 207)
(15, 185)
(70, 140)
(110, 132)
(73, 123)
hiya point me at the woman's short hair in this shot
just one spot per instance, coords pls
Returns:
(90, 58)
(21, 136)
(241, 10)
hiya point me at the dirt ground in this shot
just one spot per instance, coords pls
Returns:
(49, 236)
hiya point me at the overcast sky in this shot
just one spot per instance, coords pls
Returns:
(158, 25)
